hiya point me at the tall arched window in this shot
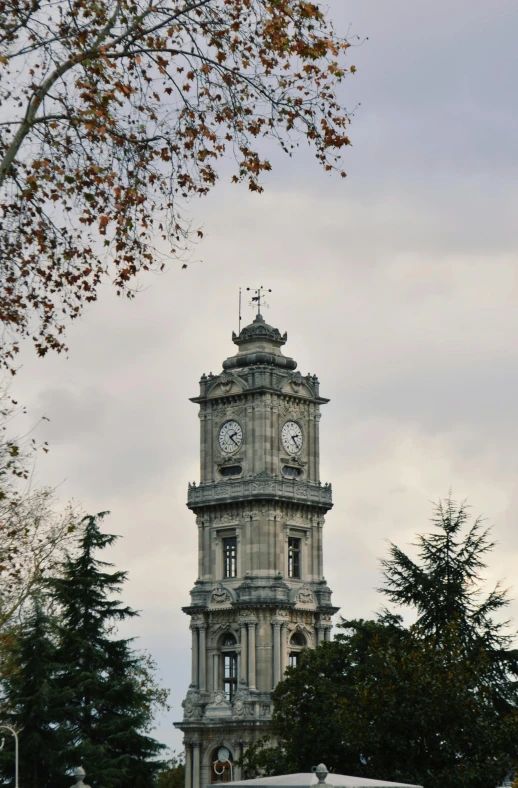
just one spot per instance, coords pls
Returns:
(229, 656)
(297, 643)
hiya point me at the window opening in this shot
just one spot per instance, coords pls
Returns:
(293, 557)
(230, 674)
(231, 470)
(290, 472)
(297, 643)
(230, 556)
(298, 640)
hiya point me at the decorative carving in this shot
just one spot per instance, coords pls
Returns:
(227, 409)
(305, 596)
(296, 381)
(303, 490)
(220, 595)
(225, 381)
(293, 409)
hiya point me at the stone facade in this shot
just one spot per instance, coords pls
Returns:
(260, 596)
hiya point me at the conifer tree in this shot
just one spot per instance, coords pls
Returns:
(445, 588)
(108, 712)
(33, 703)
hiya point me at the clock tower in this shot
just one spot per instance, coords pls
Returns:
(260, 596)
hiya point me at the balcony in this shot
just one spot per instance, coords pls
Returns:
(259, 487)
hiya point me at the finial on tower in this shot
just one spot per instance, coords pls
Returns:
(257, 298)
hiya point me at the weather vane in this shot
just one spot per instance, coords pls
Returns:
(258, 297)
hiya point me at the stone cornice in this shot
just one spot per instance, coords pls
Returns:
(261, 390)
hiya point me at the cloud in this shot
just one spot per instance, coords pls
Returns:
(397, 286)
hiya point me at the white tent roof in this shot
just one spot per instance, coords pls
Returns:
(304, 780)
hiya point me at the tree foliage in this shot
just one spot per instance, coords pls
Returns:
(386, 702)
(115, 113)
(109, 699)
(77, 693)
(35, 528)
(445, 587)
(172, 775)
(435, 703)
(32, 701)
(445, 584)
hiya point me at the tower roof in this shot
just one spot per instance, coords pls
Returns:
(259, 343)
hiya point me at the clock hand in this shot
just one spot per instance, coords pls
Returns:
(232, 437)
(294, 439)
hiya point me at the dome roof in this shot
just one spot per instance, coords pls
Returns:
(259, 343)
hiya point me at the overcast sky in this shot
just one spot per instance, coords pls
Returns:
(398, 287)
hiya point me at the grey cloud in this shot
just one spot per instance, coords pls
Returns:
(397, 286)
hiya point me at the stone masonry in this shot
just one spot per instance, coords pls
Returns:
(260, 596)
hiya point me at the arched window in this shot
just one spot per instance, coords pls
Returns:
(229, 656)
(297, 643)
(221, 770)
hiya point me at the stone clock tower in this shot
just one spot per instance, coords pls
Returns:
(260, 596)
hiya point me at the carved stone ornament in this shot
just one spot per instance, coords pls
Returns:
(188, 708)
(305, 596)
(220, 595)
(226, 382)
(293, 410)
(296, 381)
(239, 706)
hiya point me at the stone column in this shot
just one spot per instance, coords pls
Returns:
(243, 675)
(284, 651)
(196, 765)
(188, 766)
(215, 672)
(251, 654)
(203, 657)
(320, 635)
(276, 652)
(327, 634)
(194, 680)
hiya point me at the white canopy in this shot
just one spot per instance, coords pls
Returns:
(304, 780)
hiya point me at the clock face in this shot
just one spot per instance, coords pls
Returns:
(223, 754)
(291, 437)
(230, 437)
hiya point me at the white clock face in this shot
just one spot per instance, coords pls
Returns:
(291, 437)
(230, 437)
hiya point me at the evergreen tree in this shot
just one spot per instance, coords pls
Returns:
(33, 703)
(108, 710)
(384, 702)
(445, 588)
(435, 703)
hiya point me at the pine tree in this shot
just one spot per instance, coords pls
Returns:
(33, 702)
(445, 588)
(108, 711)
